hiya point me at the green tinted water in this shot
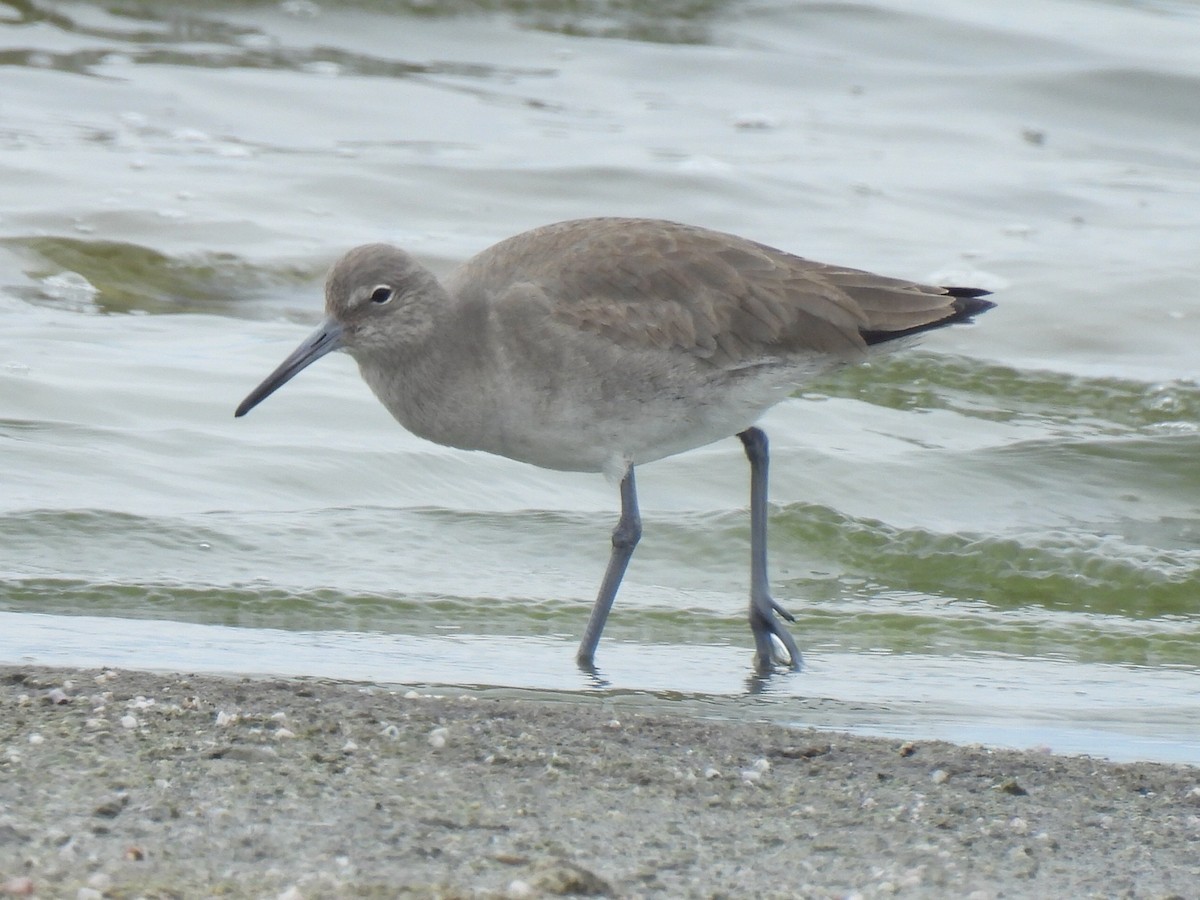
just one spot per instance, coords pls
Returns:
(994, 537)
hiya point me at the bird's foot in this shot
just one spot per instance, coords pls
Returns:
(774, 646)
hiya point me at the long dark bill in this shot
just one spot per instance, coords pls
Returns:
(324, 340)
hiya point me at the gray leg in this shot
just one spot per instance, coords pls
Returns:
(624, 538)
(763, 610)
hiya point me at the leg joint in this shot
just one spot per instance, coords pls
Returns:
(627, 533)
(754, 440)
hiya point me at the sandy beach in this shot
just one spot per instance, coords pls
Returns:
(131, 784)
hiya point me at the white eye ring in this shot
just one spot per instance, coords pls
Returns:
(382, 294)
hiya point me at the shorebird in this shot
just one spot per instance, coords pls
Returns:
(597, 345)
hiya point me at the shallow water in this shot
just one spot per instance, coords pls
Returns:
(994, 537)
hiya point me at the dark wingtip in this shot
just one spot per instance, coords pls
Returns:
(968, 303)
(966, 292)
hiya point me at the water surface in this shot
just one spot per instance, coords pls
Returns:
(995, 537)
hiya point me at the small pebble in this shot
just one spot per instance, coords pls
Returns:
(129, 722)
(36, 738)
(510, 859)
(939, 776)
(390, 731)
(101, 881)
(225, 719)
(283, 734)
(711, 773)
(437, 738)
(1011, 787)
(563, 877)
(912, 878)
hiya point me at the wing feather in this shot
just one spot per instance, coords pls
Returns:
(715, 296)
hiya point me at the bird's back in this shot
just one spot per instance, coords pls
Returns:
(718, 297)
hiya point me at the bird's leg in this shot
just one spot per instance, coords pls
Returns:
(764, 611)
(624, 538)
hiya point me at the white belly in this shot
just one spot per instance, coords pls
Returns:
(593, 431)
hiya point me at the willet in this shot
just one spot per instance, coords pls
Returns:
(600, 344)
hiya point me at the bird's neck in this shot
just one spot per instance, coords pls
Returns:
(433, 387)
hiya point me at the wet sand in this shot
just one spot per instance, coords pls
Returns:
(132, 784)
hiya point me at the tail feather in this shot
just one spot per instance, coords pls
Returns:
(967, 304)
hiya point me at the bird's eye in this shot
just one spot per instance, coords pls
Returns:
(382, 294)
